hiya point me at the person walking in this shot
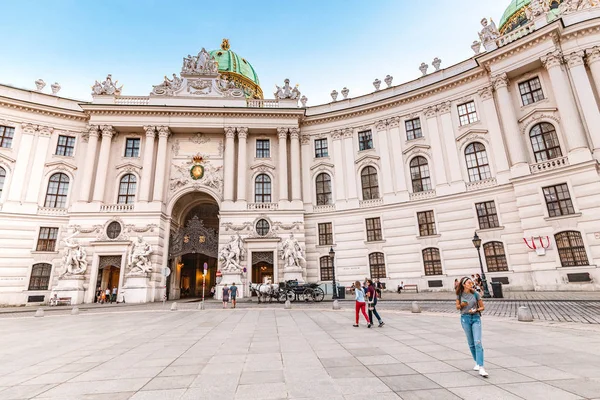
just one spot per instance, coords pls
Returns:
(233, 289)
(470, 305)
(225, 296)
(379, 288)
(113, 296)
(359, 296)
(372, 296)
(107, 294)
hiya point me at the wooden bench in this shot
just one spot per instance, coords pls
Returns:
(57, 301)
(411, 287)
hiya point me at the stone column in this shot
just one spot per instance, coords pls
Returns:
(349, 178)
(593, 61)
(516, 147)
(90, 160)
(19, 175)
(147, 163)
(587, 100)
(438, 166)
(295, 164)
(161, 163)
(383, 148)
(338, 166)
(571, 122)
(229, 164)
(397, 159)
(103, 159)
(449, 142)
(242, 167)
(305, 155)
(491, 116)
(283, 181)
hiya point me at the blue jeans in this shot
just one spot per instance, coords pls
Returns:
(374, 311)
(471, 324)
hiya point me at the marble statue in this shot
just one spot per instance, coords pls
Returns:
(168, 87)
(536, 8)
(303, 100)
(292, 252)
(388, 80)
(436, 63)
(334, 95)
(202, 64)
(139, 258)
(107, 87)
(489, 34)
(286, 92)
(345, 92)
(377, 84)
(55, 87)
(423, 68)
(40, 84)
(231, 254)
(74, 261)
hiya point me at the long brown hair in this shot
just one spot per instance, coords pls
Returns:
(460, 288)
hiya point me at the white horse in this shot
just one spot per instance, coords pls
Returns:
(264, 291)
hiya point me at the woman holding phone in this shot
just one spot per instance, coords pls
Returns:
(470, 305)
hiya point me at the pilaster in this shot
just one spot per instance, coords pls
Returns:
(161, 163)
(282, 133)
(229, 163)
(147, 163)
(108, 133)
(242, 167)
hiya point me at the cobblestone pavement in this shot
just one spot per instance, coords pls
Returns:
(140, 353)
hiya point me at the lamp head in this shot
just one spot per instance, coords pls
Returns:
(476, 241)
(331, 252)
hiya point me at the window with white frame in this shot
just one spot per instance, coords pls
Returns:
(263, 148)
(132, 147)
(487, 215)
(531, 91)
(47, 239)
(321, 148)
(127, 189)
(558, 200)
(2, 179)
(467, 114)
(369, 183)
(325, 234)
(374, 229)
(326, 266)
(262, 189)
(377, 265)
(432, 261)
(495, 257)
(419, 175)
(58, 189)
(323, 186)
(413, 129)
(544, 142)
(6, 136)
(40, 276)
(571, 249)
(478, 165)
(65, 146)
(365, 140)
(426, 222)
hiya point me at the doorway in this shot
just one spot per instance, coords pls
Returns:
(192, 275)
(262, 267)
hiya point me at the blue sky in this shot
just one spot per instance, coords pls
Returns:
(321, 45)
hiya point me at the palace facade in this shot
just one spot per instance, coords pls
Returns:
(505, 144)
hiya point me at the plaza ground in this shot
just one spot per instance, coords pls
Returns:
(308, 352)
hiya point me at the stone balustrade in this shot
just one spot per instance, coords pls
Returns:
(516, 34)
(324, 208)
(549, 165)
(52, 211)
(481, 184)
(263, 206)
(370, 203)
(262, 103)
(133, 100)
(116, 208)
(428, 194)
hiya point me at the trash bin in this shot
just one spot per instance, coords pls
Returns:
(341, 292)
(497, 290)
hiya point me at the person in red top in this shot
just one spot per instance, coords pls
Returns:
(372, 297)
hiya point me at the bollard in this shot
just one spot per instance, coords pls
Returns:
(75, 311)
(174, 307)
(524, 314)
(336, 305)
(287, 305)
(39, 312)
(414, 308)
(201, 306)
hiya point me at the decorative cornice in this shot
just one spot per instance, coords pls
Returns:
(537, 110)
(430, 112)
(415, 147)
(381, 125)
(445, 107)
(348, 133)
(366, 157)
(473, 133)
(56, 164)
(41, 109)
(336, 134)
(305, 139)
(322, 164)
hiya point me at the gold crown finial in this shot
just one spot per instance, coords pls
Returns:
(197, 159)
(225, 44)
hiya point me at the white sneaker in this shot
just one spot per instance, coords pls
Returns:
(482, 372)
(476, 367)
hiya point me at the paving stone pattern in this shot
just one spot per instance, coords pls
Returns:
(128, 353)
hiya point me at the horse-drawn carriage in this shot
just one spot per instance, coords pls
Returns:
(289, 290)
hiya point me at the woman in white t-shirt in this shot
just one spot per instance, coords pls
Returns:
(470, 305)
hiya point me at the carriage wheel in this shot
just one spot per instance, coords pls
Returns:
(285, 295)
(291, 296)
(318, 295)
(308, 294)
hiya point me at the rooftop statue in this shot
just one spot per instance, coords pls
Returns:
(536, 8)
(107, 87)
(286, 92)
(168, 87)
(489, 34)
(202, 64)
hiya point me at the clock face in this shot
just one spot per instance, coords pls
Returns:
(197, 172)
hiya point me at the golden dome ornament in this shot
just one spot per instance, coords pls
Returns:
(197, 170)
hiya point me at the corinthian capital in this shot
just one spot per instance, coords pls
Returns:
(229, 132)
(444, 107)
(107, 131)
(485, 93)
(500, 81)
(150, 131)
(282, 133)
(430, 112)
(381, 125)
(163, 131)
(575, 58)
(93, 130)
(552, 60)
(242, 132)
(295, 133)
(592, 55)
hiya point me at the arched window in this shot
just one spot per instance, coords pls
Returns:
(262, 189)
(571, 249)
(40, 277)
(127, 188)
(370, 187)
(419, 174)
(326, 264)
(323, 189)
(377, 265)
(2, 178)
(544, 142)
(477, 162)
(495, 258)
(432, 261)
(58, 188)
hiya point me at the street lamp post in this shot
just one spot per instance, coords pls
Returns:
(477, 243)
(332, 257)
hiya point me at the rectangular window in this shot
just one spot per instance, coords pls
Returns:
(487, 215)
(40, 277)
(263, 148)
(365, 140)
(65, 146)
(531, 91)
(47, 239)
(325, 234)
(467, 113)
(558, 200)
(326, 268)
(374, 229)
(321, 149)
(6, 136)
(426, 223)
(413, 129)
(132, 147)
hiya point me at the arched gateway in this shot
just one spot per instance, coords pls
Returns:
(194, 241)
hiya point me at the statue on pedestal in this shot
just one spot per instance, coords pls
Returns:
(292, 253)
(139, 258)
(74, 261)
(231, 254)
(489, 34)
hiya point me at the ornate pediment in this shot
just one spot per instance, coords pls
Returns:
(262, 167)
(417, 147)
(322, 165)
(535, 111)
(471, 133)
(366, 157)
(60, 165)
(128, 167)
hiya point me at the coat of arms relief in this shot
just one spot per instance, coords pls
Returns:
(198, 172)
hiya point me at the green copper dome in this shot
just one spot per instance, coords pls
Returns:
(514, 15)
(238, 70)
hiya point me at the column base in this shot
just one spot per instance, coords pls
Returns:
(519, 170)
